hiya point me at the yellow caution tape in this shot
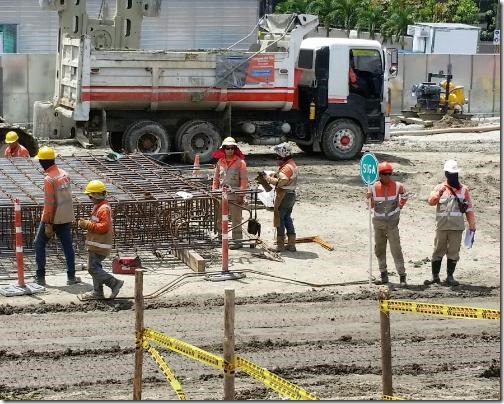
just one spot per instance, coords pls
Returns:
(186, 349)
(273, 381)
(439, 310)
(269, 379)
(170, 376)
(385, 397)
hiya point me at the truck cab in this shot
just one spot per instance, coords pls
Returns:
(343, 80)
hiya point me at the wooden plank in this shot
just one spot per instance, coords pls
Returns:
(192, 259)
(415, 121)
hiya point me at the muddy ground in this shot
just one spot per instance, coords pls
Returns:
(324, 338)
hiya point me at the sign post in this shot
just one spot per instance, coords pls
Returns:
(496, 39)
(369, 173)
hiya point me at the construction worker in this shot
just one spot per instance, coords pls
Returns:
(452, 199)
(14, 149)
(231, 171)
(387, 199)
(285, 181)
(99, 239)
(57, 216)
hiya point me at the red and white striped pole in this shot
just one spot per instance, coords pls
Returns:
(225, 229)
(19, 243)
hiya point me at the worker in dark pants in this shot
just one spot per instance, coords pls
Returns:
(452, 200)
(57, 216)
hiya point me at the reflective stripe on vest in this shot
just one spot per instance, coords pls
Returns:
(386, 206)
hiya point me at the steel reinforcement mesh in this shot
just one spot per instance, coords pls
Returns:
(148, 210)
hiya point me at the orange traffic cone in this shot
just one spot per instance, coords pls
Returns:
(196, 168)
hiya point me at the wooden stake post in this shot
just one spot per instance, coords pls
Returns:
(386, 346)
(229, 343)
(139, 328)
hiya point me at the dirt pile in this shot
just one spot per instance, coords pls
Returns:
(450, 121)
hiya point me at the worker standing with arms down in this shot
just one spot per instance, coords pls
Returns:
(57, 216)
(99, 239)
(452, 199)
(231, 171)
(14, 149)
(387, 200)
(285, 182)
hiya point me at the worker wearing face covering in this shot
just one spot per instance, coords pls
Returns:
(452, 200)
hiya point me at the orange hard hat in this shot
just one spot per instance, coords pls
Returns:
(384, 166)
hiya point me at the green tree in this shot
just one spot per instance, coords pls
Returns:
(346, 14)
(399, 15)
(466, 12)
(326, 11)
(291, 6)
(370, 17)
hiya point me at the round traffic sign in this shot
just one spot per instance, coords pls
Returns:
(369, 168)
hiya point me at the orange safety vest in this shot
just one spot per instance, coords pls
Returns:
(448, 214)
(232, 173)
(386, 200)
(287, 175)
(58, 206)
(100, 234)
(19, 151)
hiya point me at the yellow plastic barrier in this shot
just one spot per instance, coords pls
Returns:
(170, 376)
(439, 310)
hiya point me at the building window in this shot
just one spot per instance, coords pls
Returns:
(8, 38)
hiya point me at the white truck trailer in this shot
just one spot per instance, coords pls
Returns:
(284, 87)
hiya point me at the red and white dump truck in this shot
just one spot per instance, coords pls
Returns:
(284, 87)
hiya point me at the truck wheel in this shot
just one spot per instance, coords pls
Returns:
(342, 140)
(146, 137)
(203, 139)
(182, 129)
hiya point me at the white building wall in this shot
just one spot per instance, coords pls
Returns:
(182, 24)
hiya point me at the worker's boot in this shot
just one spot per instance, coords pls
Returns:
(436, 268)
(280, 243)
(402, 281)
(450, 269)
(383, 278)
(291, 242)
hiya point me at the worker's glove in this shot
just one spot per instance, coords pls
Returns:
(48, 230)
(84, 224)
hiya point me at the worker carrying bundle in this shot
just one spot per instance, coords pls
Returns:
(285, 181)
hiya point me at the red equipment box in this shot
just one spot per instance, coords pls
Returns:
(125, 265)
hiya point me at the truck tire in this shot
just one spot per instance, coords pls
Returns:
(146, 137)
(202, 138)
(182, 129)
(342, 140)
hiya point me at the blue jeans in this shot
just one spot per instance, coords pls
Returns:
(285, 211)
(64, 233)
(100, 277)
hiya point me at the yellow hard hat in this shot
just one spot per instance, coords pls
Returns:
(46, 153)
(229, 141)
(95, 187)
(11, 137)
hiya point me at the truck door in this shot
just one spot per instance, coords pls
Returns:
(322, 77)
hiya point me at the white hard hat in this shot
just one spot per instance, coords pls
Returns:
(229, 141)
(451, 166)
(283, 149)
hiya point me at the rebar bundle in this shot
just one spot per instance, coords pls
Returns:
(148, 209)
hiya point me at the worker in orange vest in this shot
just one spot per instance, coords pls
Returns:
(452, 200)
(231, 171)
(57, 216)
(99, 240)
(14, 149)
(387, 200)
(285, 181)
